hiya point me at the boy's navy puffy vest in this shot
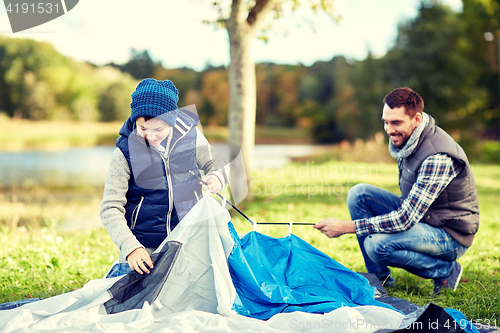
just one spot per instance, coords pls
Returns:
(161, 190)
(456, 209)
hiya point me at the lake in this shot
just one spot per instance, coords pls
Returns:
(88, 166)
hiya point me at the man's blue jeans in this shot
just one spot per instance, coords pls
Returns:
(423, 250)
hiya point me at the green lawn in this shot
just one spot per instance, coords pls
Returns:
(44, 261)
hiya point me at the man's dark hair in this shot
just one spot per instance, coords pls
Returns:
(406, 97)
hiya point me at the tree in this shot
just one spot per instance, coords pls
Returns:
(215, 91)
(440, 71)
(26, 90)
(38, 83)
(140, 65)
(481, 17)
(245, 21)
(112, 89)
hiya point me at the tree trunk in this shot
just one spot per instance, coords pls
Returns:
(242, 27)
(242, 106)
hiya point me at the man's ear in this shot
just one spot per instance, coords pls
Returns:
(417, 119)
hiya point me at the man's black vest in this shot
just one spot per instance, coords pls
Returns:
(456, 209)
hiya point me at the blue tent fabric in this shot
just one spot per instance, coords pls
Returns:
(461, 320)
(275, 275)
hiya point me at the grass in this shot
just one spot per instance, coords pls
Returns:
(18, 134)
(42, 259)
(263, 135)
(49, 262)
(325, 190)
(35, 206)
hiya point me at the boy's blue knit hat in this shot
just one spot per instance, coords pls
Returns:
(155, 99)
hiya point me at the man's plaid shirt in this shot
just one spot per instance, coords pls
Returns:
(435, 173)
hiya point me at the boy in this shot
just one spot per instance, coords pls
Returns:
(149, 187)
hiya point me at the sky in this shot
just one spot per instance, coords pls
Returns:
(173, 32)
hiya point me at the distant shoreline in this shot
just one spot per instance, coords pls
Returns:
(21, 135)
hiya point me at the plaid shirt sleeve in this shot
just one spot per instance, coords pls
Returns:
(435, 173)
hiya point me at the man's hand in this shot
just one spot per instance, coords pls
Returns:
(138, 259)
(213, 184)
(333, 227)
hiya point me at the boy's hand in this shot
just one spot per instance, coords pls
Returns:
(138, 259)
(213, 184)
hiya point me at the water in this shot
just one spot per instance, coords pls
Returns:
(88, 166)
(72, 167)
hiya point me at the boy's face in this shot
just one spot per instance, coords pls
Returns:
(153, 131)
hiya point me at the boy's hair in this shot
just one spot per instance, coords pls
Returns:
(406, 97)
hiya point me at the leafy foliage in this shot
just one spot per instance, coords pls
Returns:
(38, 83)
(140, 65)
(440, 53)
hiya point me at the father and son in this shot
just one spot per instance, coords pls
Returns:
(150, 188)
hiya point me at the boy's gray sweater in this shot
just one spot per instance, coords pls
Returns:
(116, 187)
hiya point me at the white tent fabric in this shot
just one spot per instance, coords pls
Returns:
(197, 296)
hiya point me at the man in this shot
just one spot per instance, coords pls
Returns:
(434, 221)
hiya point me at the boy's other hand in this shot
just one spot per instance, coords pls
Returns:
(213, 184)
(138, 259)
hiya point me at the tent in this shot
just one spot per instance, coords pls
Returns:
(208, 279)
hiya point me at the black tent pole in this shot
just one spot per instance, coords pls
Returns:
(246, 217)
(220, 196)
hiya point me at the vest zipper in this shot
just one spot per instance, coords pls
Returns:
(170, 196)
(171, 193)
(136, 212)
(169, 181)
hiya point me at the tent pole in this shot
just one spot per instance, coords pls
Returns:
(246, 217)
